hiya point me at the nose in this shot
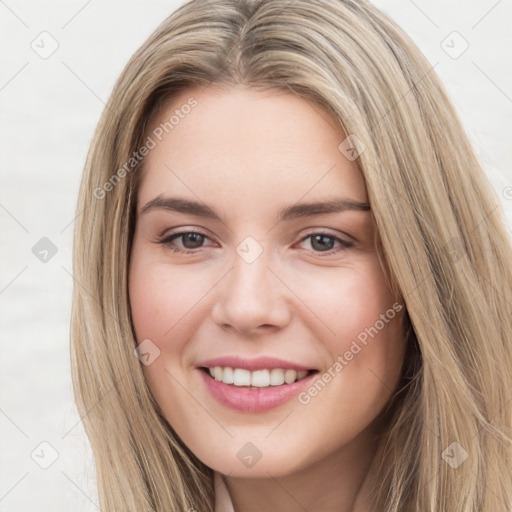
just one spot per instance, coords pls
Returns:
(252, 298)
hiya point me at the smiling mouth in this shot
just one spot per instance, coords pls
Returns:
(265, 378)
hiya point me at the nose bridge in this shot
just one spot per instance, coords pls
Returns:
(250, 274)
(251, 294)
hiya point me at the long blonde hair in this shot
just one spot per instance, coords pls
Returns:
(442, 241)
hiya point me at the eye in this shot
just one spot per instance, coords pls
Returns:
(191, 240)
(323, 242)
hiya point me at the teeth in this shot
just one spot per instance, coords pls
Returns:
(290, 376)
(276, 377)
(228, 376)
(258, 378)
(240, 377)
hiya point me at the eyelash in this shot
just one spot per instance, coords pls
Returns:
(167, 242)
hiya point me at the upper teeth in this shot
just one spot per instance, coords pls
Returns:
(258, 378)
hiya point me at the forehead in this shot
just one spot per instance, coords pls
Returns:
(246, 147)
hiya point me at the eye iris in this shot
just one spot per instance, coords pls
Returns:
(323, 245)
(195, 238)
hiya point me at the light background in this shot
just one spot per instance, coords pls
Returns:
(49, 109)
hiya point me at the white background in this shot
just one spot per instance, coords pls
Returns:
(49, 109)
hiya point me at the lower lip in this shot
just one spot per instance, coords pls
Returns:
(253, 399)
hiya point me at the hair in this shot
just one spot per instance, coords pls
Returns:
(442, 242)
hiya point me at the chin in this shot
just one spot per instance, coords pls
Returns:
(254, 460)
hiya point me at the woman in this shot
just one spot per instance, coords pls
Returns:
(295, 282)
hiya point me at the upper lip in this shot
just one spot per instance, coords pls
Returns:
(258, 363)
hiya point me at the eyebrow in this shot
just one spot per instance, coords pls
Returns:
(180, 205)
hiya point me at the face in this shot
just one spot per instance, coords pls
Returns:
(230, 271)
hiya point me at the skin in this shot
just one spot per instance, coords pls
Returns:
(248, 154)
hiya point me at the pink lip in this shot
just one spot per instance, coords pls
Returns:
(259, 363)
(243, 398)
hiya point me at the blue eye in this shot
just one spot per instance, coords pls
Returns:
(194, 240)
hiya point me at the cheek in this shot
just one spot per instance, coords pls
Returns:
(167, 308)
(160, 300)
(161, 307)
(347, 302)
(364, 341)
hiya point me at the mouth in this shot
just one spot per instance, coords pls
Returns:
(258, 379)
(255, 391)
